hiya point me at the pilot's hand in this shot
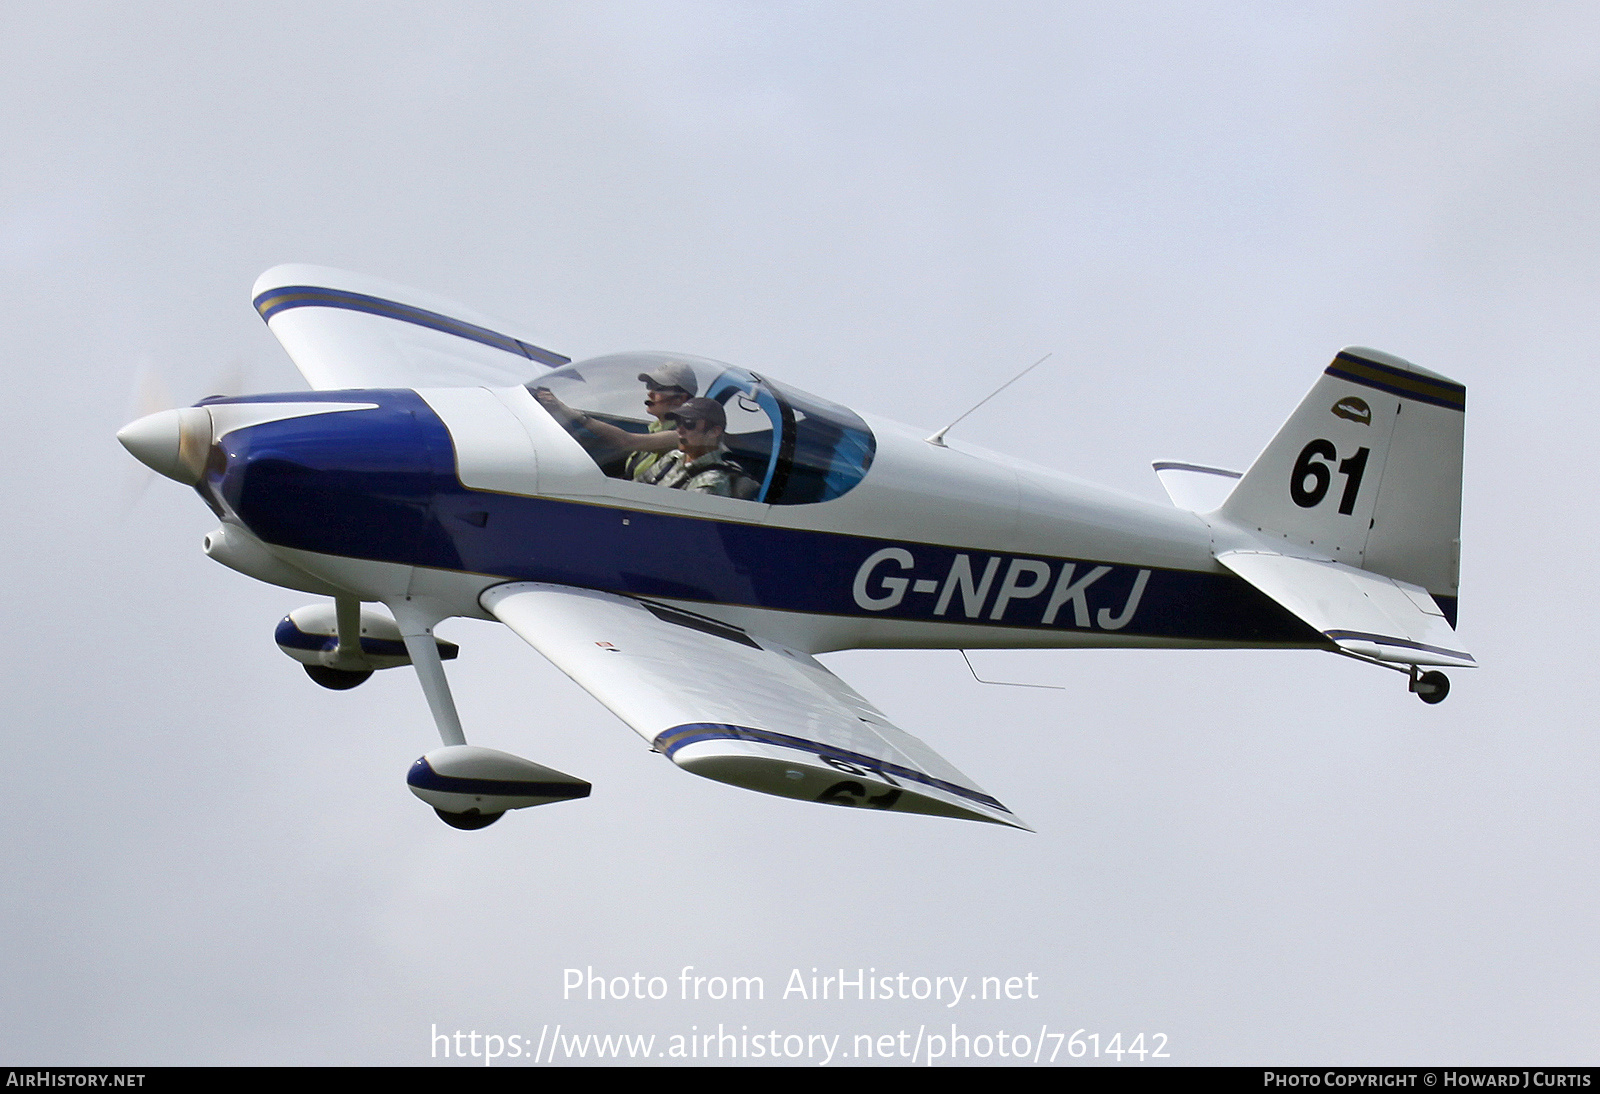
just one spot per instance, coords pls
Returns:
(554, 405)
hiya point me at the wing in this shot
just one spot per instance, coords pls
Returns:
(723, 704)
(1359, 611)
(343, 330)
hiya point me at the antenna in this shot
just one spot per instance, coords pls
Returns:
(1008, 683)
(938, 438)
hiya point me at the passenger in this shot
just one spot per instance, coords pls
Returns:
(667, 387)
(701, 463)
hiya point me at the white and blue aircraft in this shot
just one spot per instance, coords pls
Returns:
(446, 465)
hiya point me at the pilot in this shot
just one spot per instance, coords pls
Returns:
(667, 387)
(701, 463)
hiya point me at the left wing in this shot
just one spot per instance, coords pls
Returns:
(343, 330)
(746, 711)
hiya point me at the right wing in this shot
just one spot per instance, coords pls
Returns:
(343, 330)
(723, 704)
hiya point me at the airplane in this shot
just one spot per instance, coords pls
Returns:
(445, 465)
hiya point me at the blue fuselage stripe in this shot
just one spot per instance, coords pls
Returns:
(381, 484)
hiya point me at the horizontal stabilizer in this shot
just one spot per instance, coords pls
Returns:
(1195, 487)
(724, 704)
(1360, 612)
(345, 330)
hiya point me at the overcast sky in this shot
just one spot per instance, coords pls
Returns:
(1266, 857)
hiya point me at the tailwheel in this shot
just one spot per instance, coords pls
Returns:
(1430, 687)
(470, 821)
(336, 679)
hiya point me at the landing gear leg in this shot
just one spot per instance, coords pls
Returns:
(347, 667)
(416, 629)
(470, 787)
(1430, 687)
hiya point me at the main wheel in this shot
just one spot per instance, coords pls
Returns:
(1432, 687)
(336, 679)
(470, 821)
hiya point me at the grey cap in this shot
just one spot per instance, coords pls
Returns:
(701, 410)
(672, 374)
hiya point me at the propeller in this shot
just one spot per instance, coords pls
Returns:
(168, 439)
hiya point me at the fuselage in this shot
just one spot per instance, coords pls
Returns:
(444, 493)
(677, 535)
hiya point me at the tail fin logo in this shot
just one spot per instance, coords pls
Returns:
(1353, 408)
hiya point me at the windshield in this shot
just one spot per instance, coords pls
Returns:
(689, 423)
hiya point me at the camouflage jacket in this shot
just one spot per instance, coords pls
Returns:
(712, 473)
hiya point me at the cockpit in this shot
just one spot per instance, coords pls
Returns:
(645, 417)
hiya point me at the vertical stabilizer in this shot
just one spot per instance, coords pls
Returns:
(1367, 472)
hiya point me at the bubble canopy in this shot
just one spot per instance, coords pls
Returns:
(781, 446)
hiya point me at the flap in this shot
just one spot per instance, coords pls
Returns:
(727, 705)
(1360, 612)
(343, 330)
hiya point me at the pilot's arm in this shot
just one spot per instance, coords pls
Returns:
(612, 436)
